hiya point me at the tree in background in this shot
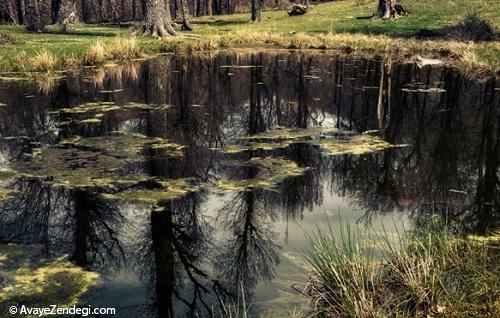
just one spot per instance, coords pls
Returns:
(37, 14)
(157, 19)
(256, 10)
(388, 9)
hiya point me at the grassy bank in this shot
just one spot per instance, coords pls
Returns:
(342, 25)
(428, 273)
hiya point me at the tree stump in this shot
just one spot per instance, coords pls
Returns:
(298, 9)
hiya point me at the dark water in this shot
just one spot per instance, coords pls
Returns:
(178, 209)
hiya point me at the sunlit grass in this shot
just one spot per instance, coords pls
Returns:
(338, 25)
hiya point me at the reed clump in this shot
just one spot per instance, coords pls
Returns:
(428, 272)
(116, 49)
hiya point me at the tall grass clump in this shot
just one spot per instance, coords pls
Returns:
(43, 61)
(124, 49)
(426, 272)
(96, 54)
(343, 275)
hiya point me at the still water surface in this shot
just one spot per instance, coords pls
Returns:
(189, 181)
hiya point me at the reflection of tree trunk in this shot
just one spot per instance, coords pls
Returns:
(82, 227)
(487, 196)
(256, 121)
(384, 94)
(163, 239)
(302, 111)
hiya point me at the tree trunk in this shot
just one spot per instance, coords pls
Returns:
(255, 10)
(388, 9)
(32, 16)
(157, 19)
(37, 14)
(186, 26)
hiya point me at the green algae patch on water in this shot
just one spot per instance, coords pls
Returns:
(6, 194)
(127, 145)
(279, 138)
(73, 168)
(166, 190)
(355, 145)
(271, 172)
(104, 107)
(33, 281)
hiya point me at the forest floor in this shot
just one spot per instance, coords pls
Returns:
(461, 31)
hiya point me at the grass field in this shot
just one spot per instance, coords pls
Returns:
(335, 25)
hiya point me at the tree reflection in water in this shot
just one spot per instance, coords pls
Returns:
(173, 247)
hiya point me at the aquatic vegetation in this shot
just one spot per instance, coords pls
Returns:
(104, 107)
(127, 145)
(165, 190)
(6, 194)
(281, 133)
(355, 145)
(34, 281)
(73, 168)
(421, 273)
(424, 90)
(271, 172)
(333, 141)
(91, 108)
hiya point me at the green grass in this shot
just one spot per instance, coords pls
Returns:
(278, 30)
(426, 273)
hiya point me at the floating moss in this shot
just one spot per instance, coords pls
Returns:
(281, 137)
(127, 145)
(104, 107)
(424, 90)
(6, 194)
(74, 168)
(272, 171)
(168, 189)
(42, 282)
(355, 145)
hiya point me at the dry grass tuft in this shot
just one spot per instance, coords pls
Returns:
(43, 61)
(95, 55)
(124, 49)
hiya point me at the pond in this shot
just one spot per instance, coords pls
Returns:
(185, 184)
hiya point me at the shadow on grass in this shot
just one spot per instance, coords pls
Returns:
(221, 22)
(82, 33)
(472, 28)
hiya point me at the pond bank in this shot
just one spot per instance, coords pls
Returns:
(340, 25)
